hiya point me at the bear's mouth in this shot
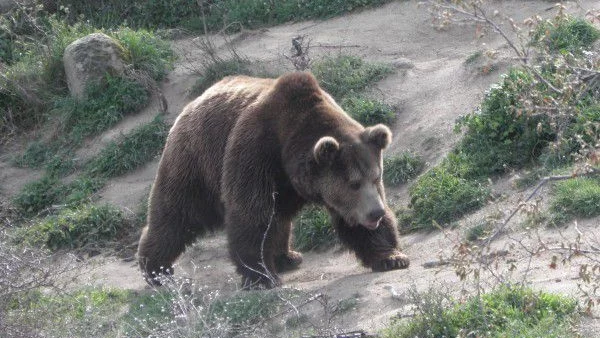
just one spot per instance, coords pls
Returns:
(371, 225)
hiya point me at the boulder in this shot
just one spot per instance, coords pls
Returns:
(6, 5)
(90, 59)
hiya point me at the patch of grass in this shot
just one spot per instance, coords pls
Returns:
(129, 152)
(105, 103)
(504, 312)
(401, 168)
(367, 111)
(442, 196)
(313, 230)
(34, 156)
(88, 312)
(479, 231)
(189, 14)
(145, 51)
(38, 195)
(215, 71)
(474, 57)
(345, 74)
(566, 34)
(245, 308)
(75, 228)
(577, 197)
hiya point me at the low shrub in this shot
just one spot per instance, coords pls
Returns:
(566, 34)
(501, 135)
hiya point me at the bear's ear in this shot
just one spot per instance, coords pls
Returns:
(326, 149)
(378, 135)
(298, 88)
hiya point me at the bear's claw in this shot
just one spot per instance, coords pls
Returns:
(396, 260)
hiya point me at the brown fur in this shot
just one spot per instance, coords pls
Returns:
(246, 156)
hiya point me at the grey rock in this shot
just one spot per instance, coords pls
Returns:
(403, 63)
(89, 59)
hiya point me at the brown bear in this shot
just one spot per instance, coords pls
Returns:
(247, 155)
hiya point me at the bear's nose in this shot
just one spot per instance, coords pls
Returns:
(375, 215)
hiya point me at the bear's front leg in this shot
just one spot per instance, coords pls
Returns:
(251, 249)
(377, 249)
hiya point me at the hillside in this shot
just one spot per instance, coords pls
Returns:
(431, 86)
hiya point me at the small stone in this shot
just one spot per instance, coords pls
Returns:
(403, 63)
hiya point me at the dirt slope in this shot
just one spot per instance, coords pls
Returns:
(431, 88)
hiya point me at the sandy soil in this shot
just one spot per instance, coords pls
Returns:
(431, 87)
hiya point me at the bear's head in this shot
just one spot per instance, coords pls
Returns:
(349, 174)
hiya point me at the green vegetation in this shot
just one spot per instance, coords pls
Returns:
(130, 151)
(501, 136)
(103, 105)
(344, 75)
(119, 156)
(504, 312)
(566, 34)
(442, 196)
(37, 195)
(111, 312)
(312, 230)
(577, 197)
(75, 228)
(145, 51)
(33, 83)
(367, 111)
(217, 14)
(245, 308)
(401, 168)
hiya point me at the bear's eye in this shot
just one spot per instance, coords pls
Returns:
(376, 181)
(355, 185)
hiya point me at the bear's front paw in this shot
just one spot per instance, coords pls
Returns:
(396, 260)
(288, 261)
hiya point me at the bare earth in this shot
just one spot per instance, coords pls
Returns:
(431, 87)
